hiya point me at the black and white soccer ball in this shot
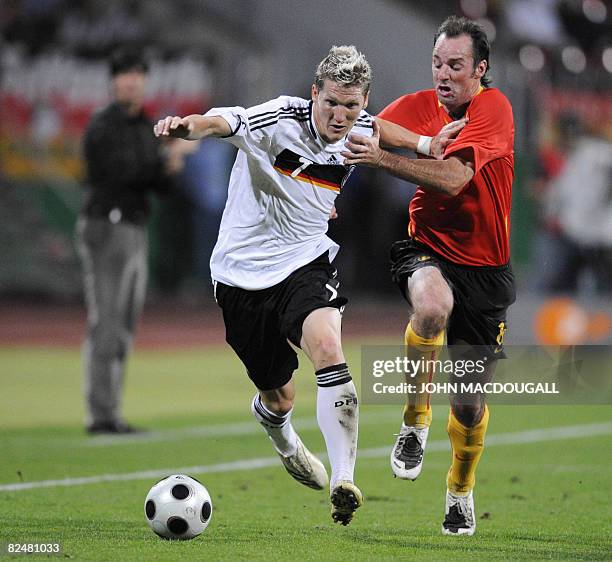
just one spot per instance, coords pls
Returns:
(178, 507)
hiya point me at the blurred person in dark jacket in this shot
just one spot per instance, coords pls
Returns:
(124, 165)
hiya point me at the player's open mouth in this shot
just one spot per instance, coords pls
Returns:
(338, 128)
(444, 91)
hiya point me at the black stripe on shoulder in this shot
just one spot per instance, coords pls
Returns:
(267, 124)
(276, 115)
(294, 109)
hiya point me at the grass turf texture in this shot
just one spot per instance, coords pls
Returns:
(544, 500)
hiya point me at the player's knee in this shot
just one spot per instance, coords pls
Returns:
(327, 349)
(468, 415)
(430, 318)
(279, 405)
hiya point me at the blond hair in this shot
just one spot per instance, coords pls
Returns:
(346, 66)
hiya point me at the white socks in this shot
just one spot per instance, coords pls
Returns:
(338, 416)
(279, 428)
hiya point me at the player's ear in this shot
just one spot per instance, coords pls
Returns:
(480, 69)
(366, 99)
(314, 92)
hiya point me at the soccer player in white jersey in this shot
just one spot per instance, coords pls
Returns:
(271, 266)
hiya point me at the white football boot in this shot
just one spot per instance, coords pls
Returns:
(408, 451)
(304, 467)
(459, 516)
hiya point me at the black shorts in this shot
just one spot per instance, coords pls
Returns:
(481, 295)
(259, 323)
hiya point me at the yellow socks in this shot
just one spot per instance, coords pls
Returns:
(467, 444)
(417, 411)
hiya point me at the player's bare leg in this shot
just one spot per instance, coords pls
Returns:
(273, 409)
(432, 302)
(337, 407)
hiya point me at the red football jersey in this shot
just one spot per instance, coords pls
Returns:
(473, 227)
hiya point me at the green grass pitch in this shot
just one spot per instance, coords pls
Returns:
(543, 500)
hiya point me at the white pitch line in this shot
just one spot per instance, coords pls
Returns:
(515, 438)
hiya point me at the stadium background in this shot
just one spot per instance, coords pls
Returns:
(552, 58)
(240, 52)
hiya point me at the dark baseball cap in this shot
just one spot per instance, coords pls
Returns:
(124, 60)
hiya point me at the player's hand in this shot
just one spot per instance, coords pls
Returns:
(364, 151)
(445, 137)
(333, 214)
(177, 127)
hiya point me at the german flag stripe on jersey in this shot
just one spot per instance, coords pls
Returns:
(309, 179)
(327, 176)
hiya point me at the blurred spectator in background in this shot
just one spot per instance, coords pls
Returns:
(549, 247)
(124, 164)
(205, 180)
(577, 254)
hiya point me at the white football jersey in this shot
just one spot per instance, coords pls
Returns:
(282, 188)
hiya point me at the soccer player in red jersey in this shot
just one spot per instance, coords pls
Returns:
(454, 267)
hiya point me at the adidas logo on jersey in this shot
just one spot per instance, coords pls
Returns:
(332, 159)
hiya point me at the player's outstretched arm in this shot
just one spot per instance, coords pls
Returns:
(443, 176)
(192, 127)
(395, 136)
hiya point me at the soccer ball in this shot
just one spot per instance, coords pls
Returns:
(178, 507)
